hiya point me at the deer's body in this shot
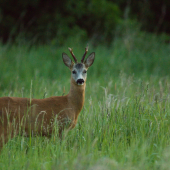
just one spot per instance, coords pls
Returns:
(39, 116)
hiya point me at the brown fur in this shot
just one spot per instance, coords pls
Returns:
(38, 116)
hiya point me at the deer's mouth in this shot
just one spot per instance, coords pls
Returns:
(80, 81)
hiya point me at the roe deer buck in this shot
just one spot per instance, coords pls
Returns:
(38, 116)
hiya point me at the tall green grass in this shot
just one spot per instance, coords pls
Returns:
(125, 123)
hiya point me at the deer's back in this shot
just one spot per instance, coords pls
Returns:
(49, 107)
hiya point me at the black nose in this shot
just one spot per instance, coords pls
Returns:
(80, 81)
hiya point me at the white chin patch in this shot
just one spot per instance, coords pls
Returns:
(80, 84)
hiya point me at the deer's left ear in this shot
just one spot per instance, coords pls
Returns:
(90, 59)
(67, 61)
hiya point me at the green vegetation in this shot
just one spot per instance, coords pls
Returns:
(54, 21)
(125, 123)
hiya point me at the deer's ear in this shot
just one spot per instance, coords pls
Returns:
(90, 59)
(67, 61)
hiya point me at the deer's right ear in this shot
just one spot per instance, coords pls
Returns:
(90, 59)
(67, 61)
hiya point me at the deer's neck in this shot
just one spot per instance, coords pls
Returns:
(76, 96)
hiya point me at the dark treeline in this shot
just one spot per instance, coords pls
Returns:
(42, 21)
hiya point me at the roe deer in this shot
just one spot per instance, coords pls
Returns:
(38, 116)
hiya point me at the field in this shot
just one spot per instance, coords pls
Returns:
(125, 122)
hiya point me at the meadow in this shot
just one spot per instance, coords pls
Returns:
(125, 122)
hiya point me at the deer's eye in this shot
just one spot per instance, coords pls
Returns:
(74, 72)
(84, 71)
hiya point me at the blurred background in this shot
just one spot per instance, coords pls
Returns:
(42, 21)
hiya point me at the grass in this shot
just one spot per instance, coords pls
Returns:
(125, 123)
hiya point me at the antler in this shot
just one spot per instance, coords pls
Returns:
(86, 50)
(71, 51)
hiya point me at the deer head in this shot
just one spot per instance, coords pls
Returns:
(79, 70)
